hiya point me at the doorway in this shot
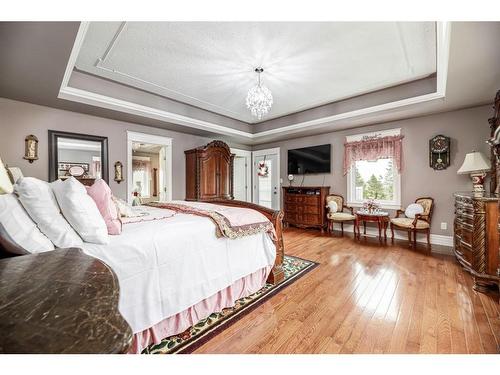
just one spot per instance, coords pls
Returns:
(266, 178)
(149, 168)
(242, 175)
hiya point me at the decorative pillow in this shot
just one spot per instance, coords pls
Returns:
(124, 208)
(80, 210)
(38, 199)
(102, 196)
(19, 226)
(332, 205)
(5, 183)
(15, 174)
(414, 209)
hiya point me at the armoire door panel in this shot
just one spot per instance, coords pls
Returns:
(208, 176)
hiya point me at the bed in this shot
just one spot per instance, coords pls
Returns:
(175, 271)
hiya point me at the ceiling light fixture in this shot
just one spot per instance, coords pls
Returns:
(259, 98)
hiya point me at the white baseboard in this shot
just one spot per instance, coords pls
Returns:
(436, 239)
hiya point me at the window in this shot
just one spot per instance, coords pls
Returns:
(374, 179)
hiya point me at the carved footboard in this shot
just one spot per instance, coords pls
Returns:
(276, 217)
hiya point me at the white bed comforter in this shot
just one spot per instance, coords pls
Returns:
(165, 266)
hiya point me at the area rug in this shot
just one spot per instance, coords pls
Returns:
(205, 329)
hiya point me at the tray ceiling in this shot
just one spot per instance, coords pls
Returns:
(210, 65)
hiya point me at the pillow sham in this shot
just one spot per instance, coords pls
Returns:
(5, 183)
(124, 209)
(102, 196)
(80, 210)
(39, 201)
(19, 226)
(414, 209)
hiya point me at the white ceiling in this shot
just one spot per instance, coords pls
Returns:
(210, 65)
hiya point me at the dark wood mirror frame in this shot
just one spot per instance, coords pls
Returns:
(53, 154)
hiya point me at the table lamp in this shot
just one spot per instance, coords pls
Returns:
(476, 165)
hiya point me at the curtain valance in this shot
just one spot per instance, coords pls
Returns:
(373, 148)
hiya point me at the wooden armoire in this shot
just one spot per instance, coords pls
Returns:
(209, 172)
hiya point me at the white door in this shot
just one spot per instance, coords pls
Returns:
(266, 180)
(242, 175)
(240, 183)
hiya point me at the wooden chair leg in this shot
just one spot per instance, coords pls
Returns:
(429, 239)
(342, 227)
(392, 233)
(414, 239)
(409, 238)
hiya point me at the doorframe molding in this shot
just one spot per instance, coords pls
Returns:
(153, 139)
(248, 155)
(268, 151)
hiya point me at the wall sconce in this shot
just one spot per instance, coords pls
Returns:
(31, 148)
(118, 172)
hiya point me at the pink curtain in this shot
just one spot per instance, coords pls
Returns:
(373, 149)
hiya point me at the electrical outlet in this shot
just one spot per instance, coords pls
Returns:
(444, 226)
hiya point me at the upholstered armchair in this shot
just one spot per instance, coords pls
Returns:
(335, 201)
(420, 223)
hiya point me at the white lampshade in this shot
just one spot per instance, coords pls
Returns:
(5, 184)
(474, 162)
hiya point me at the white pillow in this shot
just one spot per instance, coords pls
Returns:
(19, 226)
(414, 209)
(38, 199)
(333, 206)
(80, 210)
(5, 184)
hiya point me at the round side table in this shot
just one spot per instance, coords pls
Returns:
(381, 218)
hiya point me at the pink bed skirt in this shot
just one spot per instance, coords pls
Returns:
(180, 322)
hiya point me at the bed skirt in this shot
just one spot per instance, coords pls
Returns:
(180, 322)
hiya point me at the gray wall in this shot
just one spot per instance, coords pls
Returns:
(467, 128)
(18, 119)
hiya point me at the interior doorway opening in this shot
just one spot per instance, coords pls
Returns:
(149, 168)
(242, 175)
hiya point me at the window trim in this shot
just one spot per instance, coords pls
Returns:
(389, 205)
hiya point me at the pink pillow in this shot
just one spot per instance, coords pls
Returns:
(101, 194)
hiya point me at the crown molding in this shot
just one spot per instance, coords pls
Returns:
(66, 92)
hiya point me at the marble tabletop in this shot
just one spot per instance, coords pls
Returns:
(62, 301)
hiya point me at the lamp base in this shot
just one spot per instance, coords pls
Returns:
(478, 183)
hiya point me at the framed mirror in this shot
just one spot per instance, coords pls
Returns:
(82, 156)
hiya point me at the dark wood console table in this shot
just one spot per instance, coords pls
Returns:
(62, 301)
(304, 206)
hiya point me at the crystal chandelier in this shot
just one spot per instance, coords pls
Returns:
(259, 98)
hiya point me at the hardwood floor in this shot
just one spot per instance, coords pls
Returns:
(368, 298)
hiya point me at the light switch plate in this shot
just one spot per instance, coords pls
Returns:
(444, 226)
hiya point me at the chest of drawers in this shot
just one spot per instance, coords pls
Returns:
(476, 238)
(305, 206)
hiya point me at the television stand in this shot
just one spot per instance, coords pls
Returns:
(304, 206)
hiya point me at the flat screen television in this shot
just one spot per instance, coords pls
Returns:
(309, 160)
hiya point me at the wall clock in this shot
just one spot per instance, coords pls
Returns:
(439, 152)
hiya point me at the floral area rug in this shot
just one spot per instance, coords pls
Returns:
(205, 329)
